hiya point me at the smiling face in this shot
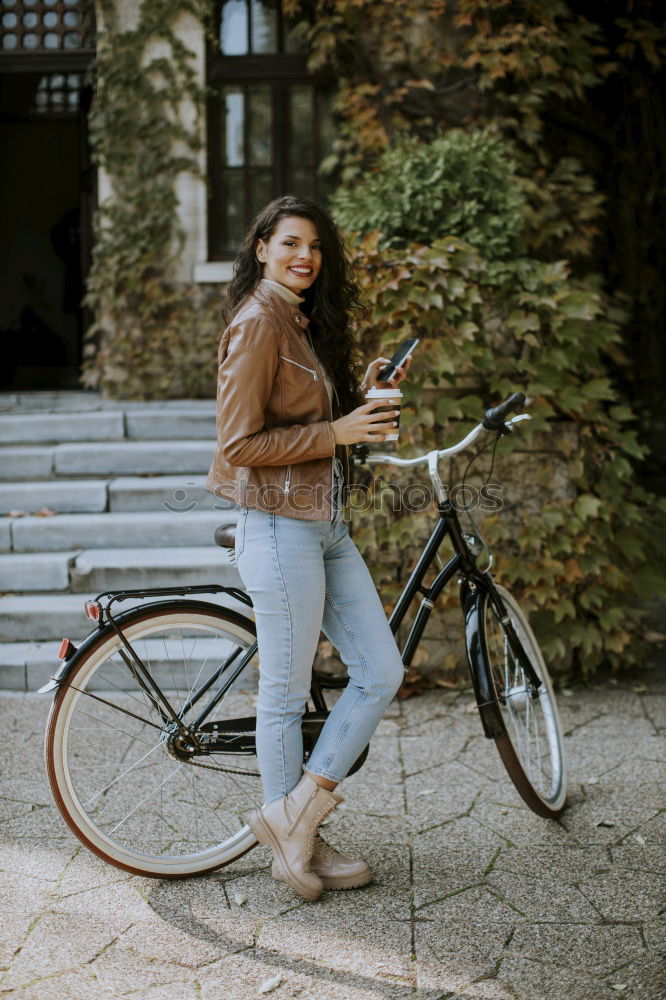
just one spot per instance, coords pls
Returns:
(292, 256)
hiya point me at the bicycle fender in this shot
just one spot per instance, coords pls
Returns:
(66, 666)
(491, 718)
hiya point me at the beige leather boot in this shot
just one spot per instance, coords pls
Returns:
(288, 826)
(336, 870)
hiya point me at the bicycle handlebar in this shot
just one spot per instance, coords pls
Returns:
(494, 419)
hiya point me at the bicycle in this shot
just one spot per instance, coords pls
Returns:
(150, 741)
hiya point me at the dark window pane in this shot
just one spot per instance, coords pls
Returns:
(233, 114)
(296, 38)
(233, 28)
(326, 123)
(72, 40)
(301, 145)
(261, 190)
(264, 26)
(233, 199)
(260, 126)
(302, 182)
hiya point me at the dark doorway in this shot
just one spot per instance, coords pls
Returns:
(47, 191)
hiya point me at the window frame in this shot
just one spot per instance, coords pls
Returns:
(279, 70)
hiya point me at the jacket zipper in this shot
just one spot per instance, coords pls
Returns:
(311, 371)
(287, 481)
(330, 409)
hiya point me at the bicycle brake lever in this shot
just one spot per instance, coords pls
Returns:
(360, 453)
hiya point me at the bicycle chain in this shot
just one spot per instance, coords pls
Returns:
(225, 770)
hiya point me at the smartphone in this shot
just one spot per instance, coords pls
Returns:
(405, 348)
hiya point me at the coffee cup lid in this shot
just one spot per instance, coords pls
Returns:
(383, 393)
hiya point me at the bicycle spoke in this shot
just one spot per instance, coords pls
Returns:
(130, 787)
(145, 799)
(531, 723)
(121, 775)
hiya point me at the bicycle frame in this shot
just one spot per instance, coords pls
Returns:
(463, 562)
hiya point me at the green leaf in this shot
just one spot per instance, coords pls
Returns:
(587, 506)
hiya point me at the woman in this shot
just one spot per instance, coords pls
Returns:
(288, 406)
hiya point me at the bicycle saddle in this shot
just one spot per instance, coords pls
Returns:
(225, 536)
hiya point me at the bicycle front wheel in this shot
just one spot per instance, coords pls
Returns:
(531, 746)
(127, 788)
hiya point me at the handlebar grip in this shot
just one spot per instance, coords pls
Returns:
(493, 419)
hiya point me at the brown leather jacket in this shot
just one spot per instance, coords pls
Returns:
(275, 444)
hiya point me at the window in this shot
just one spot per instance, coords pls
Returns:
(269, 121)
(45, 25)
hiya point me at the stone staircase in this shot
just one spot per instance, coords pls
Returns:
(98, 494)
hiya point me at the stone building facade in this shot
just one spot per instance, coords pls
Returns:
(266, 130)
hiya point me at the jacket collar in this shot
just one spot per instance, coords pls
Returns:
(265, 295)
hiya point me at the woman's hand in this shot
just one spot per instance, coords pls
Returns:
(371, 381)
(364, 425)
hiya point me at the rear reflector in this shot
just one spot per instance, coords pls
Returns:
(92, 610)
(67, 649)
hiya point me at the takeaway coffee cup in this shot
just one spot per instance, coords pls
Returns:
(389, 400)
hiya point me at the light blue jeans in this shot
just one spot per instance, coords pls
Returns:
(305, 577)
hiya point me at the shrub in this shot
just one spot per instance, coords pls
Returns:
(461, 183)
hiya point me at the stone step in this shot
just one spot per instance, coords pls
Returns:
(106, 459)
(176, 493)
(42, 427)
(35, 571)
(67, 495)
(131, 422)
(108, 569)
(187, 423)
(131, 529)
(40, 617)
(124, 493)
(26, 666)
(115, 569)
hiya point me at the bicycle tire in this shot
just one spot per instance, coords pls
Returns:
(77, 763)
(541, 783)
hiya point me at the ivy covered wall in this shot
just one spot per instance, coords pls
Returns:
(536, 314)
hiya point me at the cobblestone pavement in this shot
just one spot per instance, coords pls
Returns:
(474, 897)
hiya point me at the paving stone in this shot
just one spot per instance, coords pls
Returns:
(538, 980)
(454, 955)
(607, 891)
(67, 496)
(42, 950)
(64, 986)
(61, 427)
(5, 534)
(575, 945)
(488, 902)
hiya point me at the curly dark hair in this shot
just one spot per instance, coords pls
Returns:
(332, 303)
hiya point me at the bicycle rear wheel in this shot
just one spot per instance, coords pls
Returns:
(531, 747)
(125, 787)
